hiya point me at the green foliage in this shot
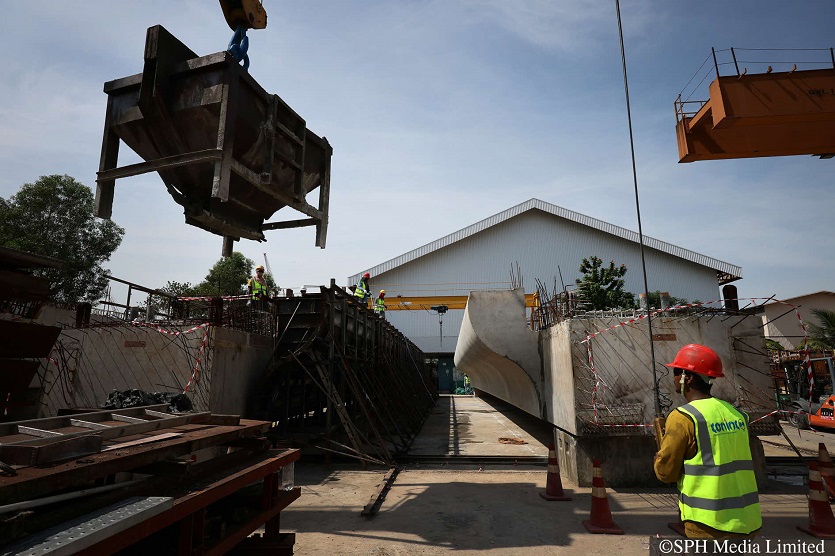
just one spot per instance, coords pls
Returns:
(54, 217)
(822, 334)
(602, 286)
(655, 300)
(227, 277)
(773, 345)
(178, 289)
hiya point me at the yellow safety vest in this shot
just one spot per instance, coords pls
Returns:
(718, 487)
(362, 289)
(379, 305)
(257, 287)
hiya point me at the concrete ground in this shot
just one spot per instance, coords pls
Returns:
(441, 509)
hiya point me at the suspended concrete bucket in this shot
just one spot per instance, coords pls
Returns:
(229, 153)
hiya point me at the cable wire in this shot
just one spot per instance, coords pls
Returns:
(638, 209)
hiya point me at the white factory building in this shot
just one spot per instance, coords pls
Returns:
(539, 241)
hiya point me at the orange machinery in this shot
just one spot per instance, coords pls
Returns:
(824, 417)
(755, 115)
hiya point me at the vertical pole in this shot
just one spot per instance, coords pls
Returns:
(715, 64)
(638, 210)
(733, 55)
(127, 303)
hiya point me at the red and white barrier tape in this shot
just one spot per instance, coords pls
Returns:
(197, 363)
(751, 423)
(623, 425)
(209, 298)
(170, 332)
(641, 317)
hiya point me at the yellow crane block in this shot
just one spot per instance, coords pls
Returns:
(425, 303)
(249, 13)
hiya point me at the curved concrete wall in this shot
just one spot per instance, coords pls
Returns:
(497, 350)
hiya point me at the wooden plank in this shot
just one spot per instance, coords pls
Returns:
(31, 482)
(163, 420)
(89, 415)
(373, 506)
(54, 450)
(147, 440)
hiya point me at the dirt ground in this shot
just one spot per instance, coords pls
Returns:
(466, 511)
(435, 512)
(456, 508)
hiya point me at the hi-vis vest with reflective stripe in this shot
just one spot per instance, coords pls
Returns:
(718, 487)
(257, 287)
(379, 305)
(362, 289)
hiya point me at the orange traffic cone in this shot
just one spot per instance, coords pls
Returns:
(827, 470)
(553, 484)
(600, 520)
(821, 521)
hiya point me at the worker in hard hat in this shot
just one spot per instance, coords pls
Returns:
(380, 304)
(705, 449)
(257, 288)
(363, 290)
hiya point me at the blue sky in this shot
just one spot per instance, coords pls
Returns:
(440, 113)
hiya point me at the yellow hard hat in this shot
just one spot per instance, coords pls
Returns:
(383, 291)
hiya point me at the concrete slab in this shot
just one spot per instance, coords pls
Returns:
(472, 426)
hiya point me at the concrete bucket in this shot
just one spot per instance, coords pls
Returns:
(229, 153)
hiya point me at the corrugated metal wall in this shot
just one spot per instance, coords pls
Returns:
(541, 243)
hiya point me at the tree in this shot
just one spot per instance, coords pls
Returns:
(602, 286)
(822, 335)
(54, 217)
(178, 289)
(773, 345)
(655, 300)
(227, 277)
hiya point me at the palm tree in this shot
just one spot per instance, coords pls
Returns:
(822, 335)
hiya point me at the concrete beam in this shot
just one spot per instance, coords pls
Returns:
(498, 351)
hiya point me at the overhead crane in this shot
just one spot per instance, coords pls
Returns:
(775, 113)
(425, 303)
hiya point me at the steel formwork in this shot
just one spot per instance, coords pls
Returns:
(344, 378)
(229, 153)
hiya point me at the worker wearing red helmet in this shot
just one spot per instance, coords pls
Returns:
(363, 290)
(705, 449)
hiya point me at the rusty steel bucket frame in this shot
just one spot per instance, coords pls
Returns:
(229, 153)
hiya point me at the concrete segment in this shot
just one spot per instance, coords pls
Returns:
(497, 350)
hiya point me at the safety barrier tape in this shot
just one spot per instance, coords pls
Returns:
(623, 425)
(641, 317)
(785, 411)
(597, 381)
(170, 332)
(197, 363)
(209, 298)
